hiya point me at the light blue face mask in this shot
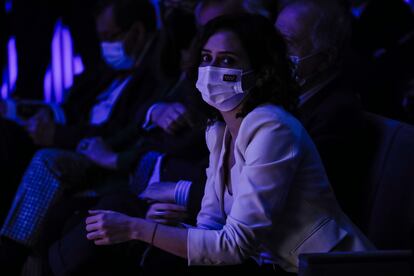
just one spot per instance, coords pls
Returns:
(114, 55)
(296, 60)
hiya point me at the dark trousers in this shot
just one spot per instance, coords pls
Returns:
(159, 262)
(73, 254)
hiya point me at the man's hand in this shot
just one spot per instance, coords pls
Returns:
(160, 192)
(166, 213)
(171, 117)
(41, 128)
(98, 152)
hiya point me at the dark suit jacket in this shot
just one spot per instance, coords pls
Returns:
(186, 153)
(129, 107)
(334, 119)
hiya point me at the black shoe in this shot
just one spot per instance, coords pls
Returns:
(12, 256)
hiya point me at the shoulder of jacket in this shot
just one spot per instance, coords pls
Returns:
(264, 115)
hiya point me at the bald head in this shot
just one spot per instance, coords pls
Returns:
(317, 31)
(296, 23)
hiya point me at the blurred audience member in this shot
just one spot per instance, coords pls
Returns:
(317, 34)
(105, 100)
(207, 10)
(266, 8)
(102, 103)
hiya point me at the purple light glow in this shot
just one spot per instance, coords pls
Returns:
(4, 91)
(12, 64)
(156, 5)
(8, 6)
(57, 74)
(47, 84)
(77, 65)
(64, 65)
(67, 53)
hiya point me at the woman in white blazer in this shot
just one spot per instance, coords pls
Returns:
(267, 196)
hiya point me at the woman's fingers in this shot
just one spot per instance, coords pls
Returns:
(96, 215)
(95, 235)
(92, 219)
(93, 227)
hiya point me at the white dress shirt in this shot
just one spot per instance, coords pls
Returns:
(107, 100)
(282, 203)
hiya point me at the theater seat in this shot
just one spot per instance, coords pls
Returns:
(390, 199)
(388, 207)
(378, 263)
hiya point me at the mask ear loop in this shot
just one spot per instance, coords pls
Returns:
(243, 74)
(295, 60)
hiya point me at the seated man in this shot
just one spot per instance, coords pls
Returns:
(102, 101)
(62, 172)
(170, 175)
(317, 33)
(99, 104)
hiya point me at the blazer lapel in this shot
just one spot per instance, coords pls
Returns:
(219, 180)
(308, 108)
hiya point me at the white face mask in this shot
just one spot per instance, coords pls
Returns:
(221, 87)
(114, 55)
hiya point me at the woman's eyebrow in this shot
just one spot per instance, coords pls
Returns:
(229, 53)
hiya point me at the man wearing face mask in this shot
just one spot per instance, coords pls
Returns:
(100, 104)
(317, 33)
(104, 101)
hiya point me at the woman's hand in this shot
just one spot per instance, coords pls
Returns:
(109, 227)
(166, 213)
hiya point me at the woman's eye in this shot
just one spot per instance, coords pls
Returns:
(205, 58)
(228, 61)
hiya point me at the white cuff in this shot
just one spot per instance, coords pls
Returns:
(182, 191)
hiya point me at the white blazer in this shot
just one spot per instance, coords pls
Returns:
(282, 203)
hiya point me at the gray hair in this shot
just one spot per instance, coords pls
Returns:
(332, 30)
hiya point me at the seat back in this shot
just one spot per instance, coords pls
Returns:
(390, 198)
(388, 209)
(378, 263)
